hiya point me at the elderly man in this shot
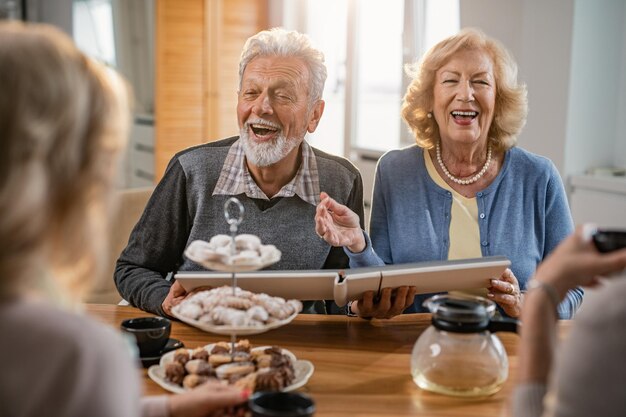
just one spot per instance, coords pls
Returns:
(269, 167)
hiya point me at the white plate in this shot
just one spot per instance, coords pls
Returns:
(303, 371)
(196, 254)
(222, 267)
(232, 330)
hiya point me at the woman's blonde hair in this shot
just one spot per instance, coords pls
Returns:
(511, 105)
(63, 121)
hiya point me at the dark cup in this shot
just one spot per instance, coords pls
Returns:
(151, 333)
(281, 404)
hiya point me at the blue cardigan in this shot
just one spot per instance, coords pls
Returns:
(523, 215)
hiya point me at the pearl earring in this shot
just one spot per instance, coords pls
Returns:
(429, 115)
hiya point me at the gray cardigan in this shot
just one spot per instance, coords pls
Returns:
(182, 209)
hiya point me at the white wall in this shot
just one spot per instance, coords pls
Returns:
(538, 34)
(572, 57)
(596, 69)
(620, 140)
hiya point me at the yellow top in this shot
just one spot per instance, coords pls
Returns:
(464, 232)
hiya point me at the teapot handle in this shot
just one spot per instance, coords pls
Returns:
(504, 324)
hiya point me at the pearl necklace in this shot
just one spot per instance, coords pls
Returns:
(459, 180)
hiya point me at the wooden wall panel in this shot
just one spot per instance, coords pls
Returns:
(180, 68)
(239, 20)
(198, 46)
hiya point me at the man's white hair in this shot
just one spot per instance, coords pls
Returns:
(285, 43)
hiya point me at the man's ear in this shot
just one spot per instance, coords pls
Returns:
(316, 115)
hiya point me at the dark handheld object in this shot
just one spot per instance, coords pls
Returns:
(609, 240)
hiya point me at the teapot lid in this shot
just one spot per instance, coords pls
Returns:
(460, 314)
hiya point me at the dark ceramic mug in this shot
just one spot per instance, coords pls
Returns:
(281, 404)
(151, 333)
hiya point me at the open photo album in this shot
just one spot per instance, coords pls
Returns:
(349, 284)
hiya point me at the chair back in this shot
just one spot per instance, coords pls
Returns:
(131, 203)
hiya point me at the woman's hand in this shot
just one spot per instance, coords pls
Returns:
(506, 292)
(338, 225)
(392, 301)
(204, 400)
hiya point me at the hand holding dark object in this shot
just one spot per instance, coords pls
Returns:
(576, 262)
(389, 303)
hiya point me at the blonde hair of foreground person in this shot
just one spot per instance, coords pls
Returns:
(63, 120)
(57, 162)
(511, 103)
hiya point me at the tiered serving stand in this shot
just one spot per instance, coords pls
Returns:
(233, 213)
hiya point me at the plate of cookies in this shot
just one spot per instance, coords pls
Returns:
(239, 254)
(263, 368)
(233, 311)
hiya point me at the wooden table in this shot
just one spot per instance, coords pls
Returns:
(362, 368)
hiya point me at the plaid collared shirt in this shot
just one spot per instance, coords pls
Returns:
(236, 179)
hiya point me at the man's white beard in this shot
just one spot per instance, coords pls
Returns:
(266, 153)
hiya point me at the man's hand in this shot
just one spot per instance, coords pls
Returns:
(176, 295)
(392, 301)
(338, 225)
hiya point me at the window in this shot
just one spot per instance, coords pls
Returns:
(366, 44)
(93, 29)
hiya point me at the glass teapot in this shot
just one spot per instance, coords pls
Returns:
(458, 355)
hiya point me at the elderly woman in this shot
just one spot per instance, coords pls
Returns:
(63, 120)
(464, 190)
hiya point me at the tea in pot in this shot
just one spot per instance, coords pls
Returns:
(458, 354)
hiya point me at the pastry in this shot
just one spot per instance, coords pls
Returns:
(200, 353)
(181, 356)
(242, 346)
(234, 369)
(221, 347)
(247, 242)
(220, 241)
(269, 380)
(174, 372)
(219, 359)
(198, 367)
(193, 380)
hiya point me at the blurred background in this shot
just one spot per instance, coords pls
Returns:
(181, 57)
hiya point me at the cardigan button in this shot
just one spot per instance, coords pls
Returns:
(482, 215)
(484, 243)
